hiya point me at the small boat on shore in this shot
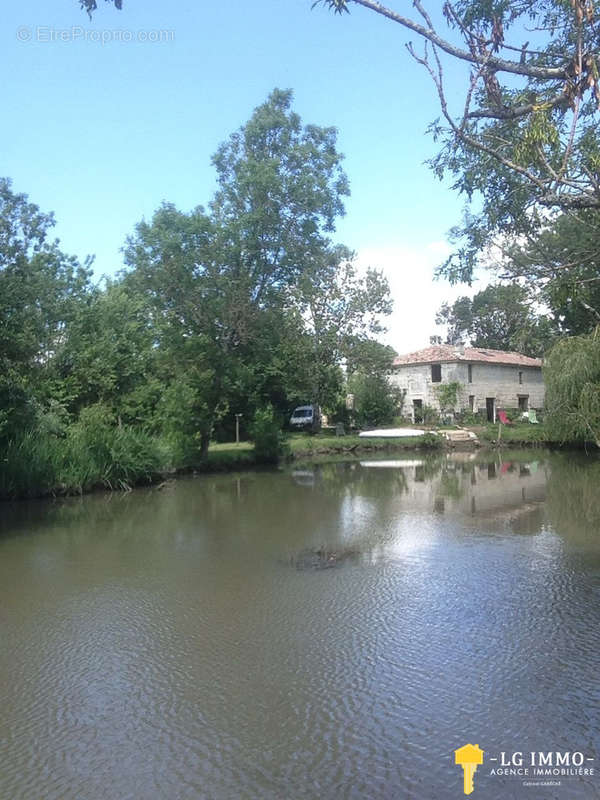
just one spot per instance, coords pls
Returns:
(393, 433)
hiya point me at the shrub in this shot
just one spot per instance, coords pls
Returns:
(468, 417)
(29, 465)
(572, 376)
(100, 453)
(430, 441)
(269, 444)
(376, 400)
(430, 415)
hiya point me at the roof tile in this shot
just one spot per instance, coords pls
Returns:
(447, 352)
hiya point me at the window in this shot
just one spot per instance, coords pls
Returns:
(520, 377)
(470, 368)
(436, 373)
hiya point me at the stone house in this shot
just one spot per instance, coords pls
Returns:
(489, 379)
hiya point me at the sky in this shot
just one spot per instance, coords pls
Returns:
(105, 119)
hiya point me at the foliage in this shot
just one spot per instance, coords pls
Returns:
(40, 289)
(525, 137)
(342, 310)
(93, 452)
(228, 286)
(109, 357)
(499, 318)
(91, 5)
(562, 263)
(267, 436)
(430, 415)
(376, 400)
(100, 453)
(468, 417)
(517, 434)
(430, 441)
(447, 394)
(572, 375)
(303, 446)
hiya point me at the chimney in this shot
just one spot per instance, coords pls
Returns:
(459, 349)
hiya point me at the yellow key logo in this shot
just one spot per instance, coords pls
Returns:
(469, 758)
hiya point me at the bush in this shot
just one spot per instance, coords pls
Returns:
(431, 441)
(29, 465)
(269, 443)
(468, 417)
(377, 401)
(572, 376)
(430, 415)
(101, 453)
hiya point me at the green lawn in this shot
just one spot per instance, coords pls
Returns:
(229, 456)
(225, 456)
(302, 444)
(524, 433)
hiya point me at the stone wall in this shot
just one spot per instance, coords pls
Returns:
(498, 381)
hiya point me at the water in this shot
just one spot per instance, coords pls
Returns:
(334, 631)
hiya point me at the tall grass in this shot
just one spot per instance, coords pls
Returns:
(87, 457)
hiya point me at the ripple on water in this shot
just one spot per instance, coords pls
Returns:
(182, 656)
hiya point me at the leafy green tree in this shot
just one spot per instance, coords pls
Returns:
(499, 318)
(40, 290)
(108, 356)
(376, 400)
(342, 309)
(526, 135)
(215, 278)
(572, 376)
(369, 356)
(563, 263)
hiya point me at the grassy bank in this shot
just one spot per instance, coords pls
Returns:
(94, 455)
(303, 446)
(526, 434)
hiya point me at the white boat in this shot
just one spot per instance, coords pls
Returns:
(393, 433)
(393, 463)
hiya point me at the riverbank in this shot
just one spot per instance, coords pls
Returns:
(303, 447)
(125, 459)
(120, 459)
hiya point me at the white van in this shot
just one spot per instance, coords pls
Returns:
(305, 417)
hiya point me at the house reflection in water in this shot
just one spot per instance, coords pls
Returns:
(469, 484)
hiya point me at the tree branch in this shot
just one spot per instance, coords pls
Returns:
(493, 62)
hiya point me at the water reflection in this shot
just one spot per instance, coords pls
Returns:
(304, 633)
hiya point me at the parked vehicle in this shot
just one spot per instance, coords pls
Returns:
(306, 418)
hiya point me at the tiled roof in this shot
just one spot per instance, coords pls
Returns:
(448, 352)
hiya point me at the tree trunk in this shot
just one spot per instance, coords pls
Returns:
(204, 442)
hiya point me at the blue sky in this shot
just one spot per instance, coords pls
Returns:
(101, 133)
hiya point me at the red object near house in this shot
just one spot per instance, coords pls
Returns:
(503, 418)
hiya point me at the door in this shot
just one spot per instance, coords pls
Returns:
(490, 407)
(418, 410)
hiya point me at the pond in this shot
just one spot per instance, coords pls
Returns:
(329, 631)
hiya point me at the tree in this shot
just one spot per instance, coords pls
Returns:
(572, 376)
(525, 136)
(108, 356)
(563, 263)
(40, 289)
(342, 310)
(376, 400)
(499, 318)
(215, 278)
(91, 5)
